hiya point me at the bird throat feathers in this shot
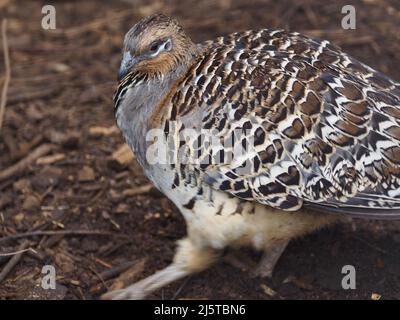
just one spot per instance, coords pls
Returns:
(158, 66)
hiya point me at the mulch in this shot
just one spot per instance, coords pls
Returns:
(71, 195)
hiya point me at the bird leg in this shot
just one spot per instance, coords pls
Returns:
(188, 259)
(141, 289)
(240, 260)
(269, 260)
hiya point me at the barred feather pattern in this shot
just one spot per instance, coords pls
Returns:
(130, 81)
(326, 128)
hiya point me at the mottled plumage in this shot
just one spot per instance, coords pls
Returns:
(320, 130)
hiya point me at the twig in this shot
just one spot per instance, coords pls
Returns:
(138, 190)
(115, 271)
(22, 164)
(24, 149)
(13, 261)
(17, 252)
(55, 232)
(99, 194)
(8, 71)
(112, 273)
(100, 278)
(372, 245)
(103, 263)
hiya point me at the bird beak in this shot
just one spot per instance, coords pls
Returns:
(126, 65)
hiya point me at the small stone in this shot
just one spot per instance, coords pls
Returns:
(157, 215)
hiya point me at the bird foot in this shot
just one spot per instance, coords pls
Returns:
(240, 260)
(133, 292)
(262, 271)
(268, 261)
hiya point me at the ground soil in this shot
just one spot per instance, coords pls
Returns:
(61, 90)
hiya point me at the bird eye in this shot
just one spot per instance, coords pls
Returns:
(154, 47)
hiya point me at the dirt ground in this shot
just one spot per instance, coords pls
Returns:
(59, 127)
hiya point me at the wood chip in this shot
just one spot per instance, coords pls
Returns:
(123, 155)
(122, 208)
(103, 131)
(75, 282)
(50, 159)
(59, 67)
(267, 290)
(22, 164)
(376, 296)
(31, 202)
(22, 185)
(4, 3)
(139, 190)
(129, 276)
(19, 217)
(86, 174)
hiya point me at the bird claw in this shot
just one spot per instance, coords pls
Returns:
(268, 261)
(131, 293)
(262, 271)
(139, 290)
(239, 260)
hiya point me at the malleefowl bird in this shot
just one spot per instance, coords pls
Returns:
(257, 137)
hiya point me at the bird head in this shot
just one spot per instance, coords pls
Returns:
(155, 46)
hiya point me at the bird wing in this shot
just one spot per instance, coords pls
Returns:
(306, 124)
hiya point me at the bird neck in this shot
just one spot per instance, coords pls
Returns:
(136, 102)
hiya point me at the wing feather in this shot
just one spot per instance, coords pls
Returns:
(321, 129)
